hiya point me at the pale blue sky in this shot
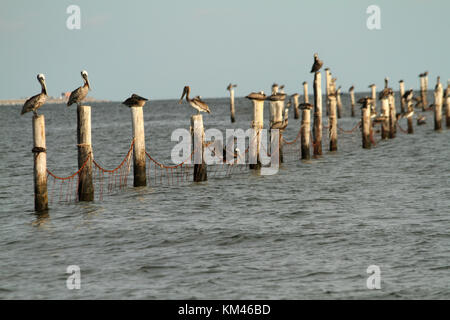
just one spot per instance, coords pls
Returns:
(154, 48)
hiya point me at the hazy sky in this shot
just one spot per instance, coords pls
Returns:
(154, 48)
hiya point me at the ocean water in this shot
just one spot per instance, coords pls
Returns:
(309, 232)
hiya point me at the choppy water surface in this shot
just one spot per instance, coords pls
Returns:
(308, 232)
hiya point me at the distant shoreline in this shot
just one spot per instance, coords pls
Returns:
(15, 102)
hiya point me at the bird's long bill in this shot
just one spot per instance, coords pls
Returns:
(44, 86)
(88, 83)
(182, 96)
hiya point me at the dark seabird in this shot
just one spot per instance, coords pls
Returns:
(304, 106)
(77, 96)
(260, 96)
(365, 102)
(408, 95)
(135, 101)
(277, 97)
(230, 86)
(38, 100)
(317, 63)
(351, 88)
(195, 103)
(386, 93)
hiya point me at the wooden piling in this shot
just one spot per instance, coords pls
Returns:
(339, 103)
(385, 113)
(409, 119)
(438, 97)
(305, 133)
(305, 92)
(328, 84)
(373, 87)
(402, 93)
(198, 136)
(137, 117)
(332, 123)
(352, 99)
(85, 155)
(425, 84)
(232, 109)
(257, 126)
(366, 126)
(296, 104)
(40, 164)
(447, 106)
(317, 131)
(423, 94)
(392, 117)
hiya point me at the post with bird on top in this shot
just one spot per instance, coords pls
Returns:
(392, 115)
(352, 100)
(257, 125)
(317, 131)
(84, 140)
(230, 88)
(136, 104)
(280, 119)
(402, 93)
(305, 136)
(385, 114)
(332, 121)
(197, 133)
(447, 105)
(39, 146)
(366, 125)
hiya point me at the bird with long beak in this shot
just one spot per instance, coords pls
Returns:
(35, 102)
(135, 101)
(317, 63)
(78, 95)
(195, 103)
(231, 86)
(259, 96)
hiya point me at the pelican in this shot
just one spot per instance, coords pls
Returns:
(304, 106)
(135, 101)
(77, 96)
(230, 86)
(257, 96)
(277, 97)
(385, 93)
(408, 95)
(195, 103)
(386, 81)
(274, 88)
(282, 88)
(438, 82)
(317, 63)
(38, 100)
(421, 120)
(281, 125)
(351, 88)
(365, 102)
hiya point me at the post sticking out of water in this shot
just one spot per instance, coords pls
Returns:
(339, 103)
(410, 112)
(317, 114)
(385, 113)
(332, 123)
(305, 92)
(392, 117)
(373, 87)
(257, 126)
(40, 164)
(137, 117)
(425, 84)
(423, 94)
(198, 136)
(296, 103)
(85, 155)
(366, 126)
(352, 99)
(305, 133)
(402, 93)
(447, 106)
(438, 96)
(232, 110)
(328, 82)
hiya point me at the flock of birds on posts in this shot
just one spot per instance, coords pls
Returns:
(78, 95)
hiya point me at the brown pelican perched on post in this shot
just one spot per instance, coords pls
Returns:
(385, 93)
(135, 101)
(35, 102)
(277, 97)
(317, 63)
(230, 86)
(260, 96)
(281, 125)
(408, 95)
(305, 105)
(386, 82)
(195, 103)
(365, 102)
(78, 95)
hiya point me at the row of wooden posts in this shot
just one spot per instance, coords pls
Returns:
(84, 140)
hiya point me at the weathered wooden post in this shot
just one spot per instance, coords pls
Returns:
(328, 83)
(317, 131)
(425, 84)
(366, 125)
(305, 92)
(339, 103)
(423, 92)
(137, 117)
(279, 120)
(232, 109)
(438, 96)
(447, 106)
(352, 99)
(295, 97)
(198, 135)
(385, 113)
(373, 87)
(305, 131)
(257, 126)
(40, 164)
(85, 155)
(409, 116)
(402, 93)
(272, 104)
(332, 122)
(392, 117)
